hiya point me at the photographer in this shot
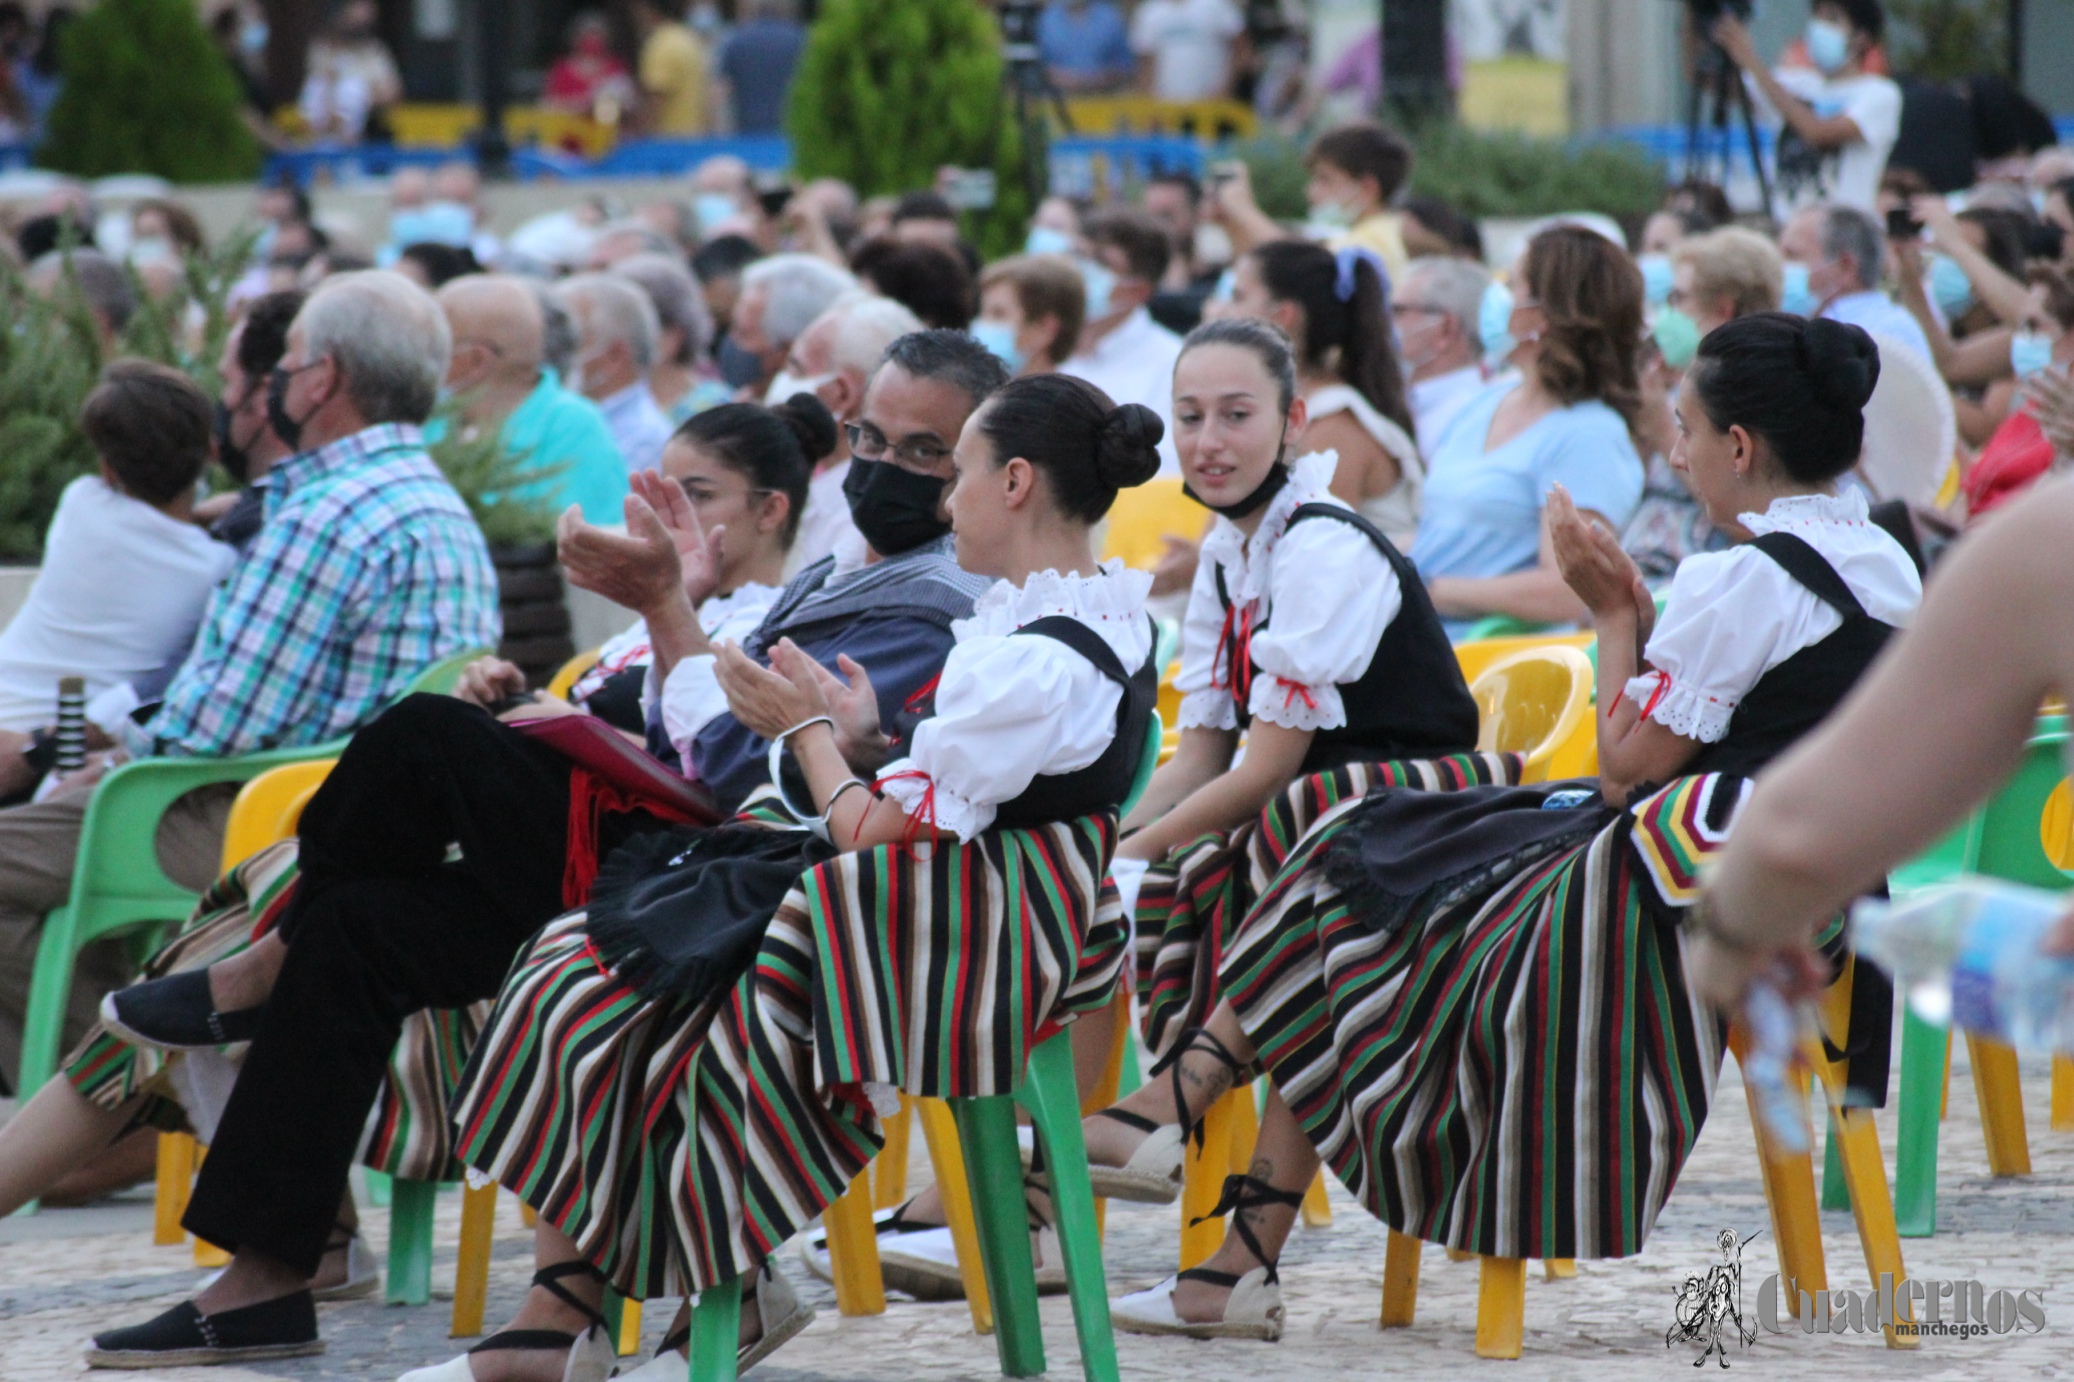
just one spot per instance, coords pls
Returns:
(1843, 118)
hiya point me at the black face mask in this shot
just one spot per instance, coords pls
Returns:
(1277, 476)
(895, 509)
(233, 457)
(739, 366)
(288, 429)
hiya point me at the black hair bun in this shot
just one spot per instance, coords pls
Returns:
(811, 422)
(1842, 363)
(1127, 445)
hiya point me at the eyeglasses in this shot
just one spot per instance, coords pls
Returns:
(867, 443)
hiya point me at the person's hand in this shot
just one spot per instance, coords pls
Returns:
(768, 702)
(1174, 572)
(1722, 974)
(640, 571)
(98, 766)
(1230, 191)
(207, 511)
(1734, 39)
(1937, 219)
(16, 776)
(700, 549)
(1592, 564)
(2050, 395)
(488, 680)
(851, 701)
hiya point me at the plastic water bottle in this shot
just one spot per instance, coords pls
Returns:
(1776, 1033)
(1970, 954)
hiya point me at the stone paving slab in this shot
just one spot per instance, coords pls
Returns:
(66, 1274)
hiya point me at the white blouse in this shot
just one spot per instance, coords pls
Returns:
(692, 697)
(1733, 616)
(1395, 511)
(1010, 709)
(1331, 596)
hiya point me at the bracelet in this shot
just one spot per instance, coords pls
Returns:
(806, 724)
(841, 787)
(777, 760)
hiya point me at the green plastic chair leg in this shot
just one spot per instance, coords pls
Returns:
(1049, 1093)
(993, 1167)
(716, 1331)
(612, 1305)
(1131, 1079)
(1835, 1194)
(50, 985)
(1915, 1137)
(378, 1184)
(410, 1242)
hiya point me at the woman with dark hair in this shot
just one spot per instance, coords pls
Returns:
(1335, 307)
(1567, 416)
(1473, 1003)
(654, 1080)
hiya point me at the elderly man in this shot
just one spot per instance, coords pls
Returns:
(623, 239)
(383, 925)
(687, 334)
(617, 333)
(100, 282)
(833, 359)
(368, 570)
(1435, 311)
(1842, 251)
(780, 298)
(499, 380)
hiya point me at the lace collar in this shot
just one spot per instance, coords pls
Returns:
(1807, 511)
(1115, 593)
(1245, 561)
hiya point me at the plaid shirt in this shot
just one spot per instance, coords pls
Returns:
(368, 570)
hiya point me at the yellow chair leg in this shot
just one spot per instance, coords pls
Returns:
(2062, 1092)
(1400, 1280)
(1873, 1207)
(206, 1254)
(1789, 1195)
(629, 1328)
(472, 1268)
(889, 1173)
(175, 1184)
(2001, 1106)
(1202, 1181)
(1245, 1131)
(528, 1215)
(853, 1250)
(1501, 1307)
(1558, 1269)
(1317, 1210)
(941, 1131)
(1109, 1088)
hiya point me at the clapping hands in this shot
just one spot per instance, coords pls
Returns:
(1594, 566)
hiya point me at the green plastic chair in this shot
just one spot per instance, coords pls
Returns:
(118, 888)
(2002, 840)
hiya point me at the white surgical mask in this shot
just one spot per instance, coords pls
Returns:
(785, 384)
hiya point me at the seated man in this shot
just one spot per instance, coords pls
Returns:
(386, 921)
(617, 335)
(368, 570)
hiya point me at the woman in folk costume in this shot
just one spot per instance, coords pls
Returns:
(684, 1074)
(1307, 630)
(1472, 1004)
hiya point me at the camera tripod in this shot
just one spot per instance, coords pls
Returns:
(1031, 88)
(1719, 96)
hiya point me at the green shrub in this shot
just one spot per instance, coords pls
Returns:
(1943, 40)
(146, 91)
(889, 91)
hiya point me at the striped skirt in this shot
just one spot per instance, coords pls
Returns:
(1519, 1071)
(408, 1134)
(1191, 902)
(929, 970)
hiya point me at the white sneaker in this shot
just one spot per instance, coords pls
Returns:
(1253, 1311)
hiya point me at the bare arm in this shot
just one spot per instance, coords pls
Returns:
(1230, 204)
(2005, 297)
(1200, 757)
(1821, 131)
(1274, 755)
(1538, 594)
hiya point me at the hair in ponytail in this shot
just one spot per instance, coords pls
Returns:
(1346, 318)
(1087, 446)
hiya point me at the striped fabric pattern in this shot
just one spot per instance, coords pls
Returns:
(1190, 903)
(1520, 1073)
(931, 969)
(408, 1131)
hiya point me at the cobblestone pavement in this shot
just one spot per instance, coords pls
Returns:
(64, 1274)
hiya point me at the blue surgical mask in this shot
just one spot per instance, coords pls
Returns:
(1795, 296)
(1656, 278)
(1677, 337)
(713, 210)
(1047, 240)
(1950, 288)
(252, 38)
(1100, 282)
(435, 223)
(999, 337)
(1494, 324)
(2029, 352)
(1829, 45)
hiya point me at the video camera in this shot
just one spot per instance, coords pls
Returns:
(1019, 30)
(1705, 12)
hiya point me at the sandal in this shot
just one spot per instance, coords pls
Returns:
(667, 1364)
(925, 1264)
(363, 1272)
(592, 1356)
(1254, 1308)
(1153, 1174)
(783, 1314)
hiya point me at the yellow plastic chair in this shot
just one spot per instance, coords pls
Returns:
(1534, 702)
(571, 673)
(1479, 653)
(1142, 518)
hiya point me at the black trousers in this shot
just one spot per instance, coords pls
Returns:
(384, 924)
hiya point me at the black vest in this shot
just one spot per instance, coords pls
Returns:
(1793, 697)
(1410, 703)
(1103, 784)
